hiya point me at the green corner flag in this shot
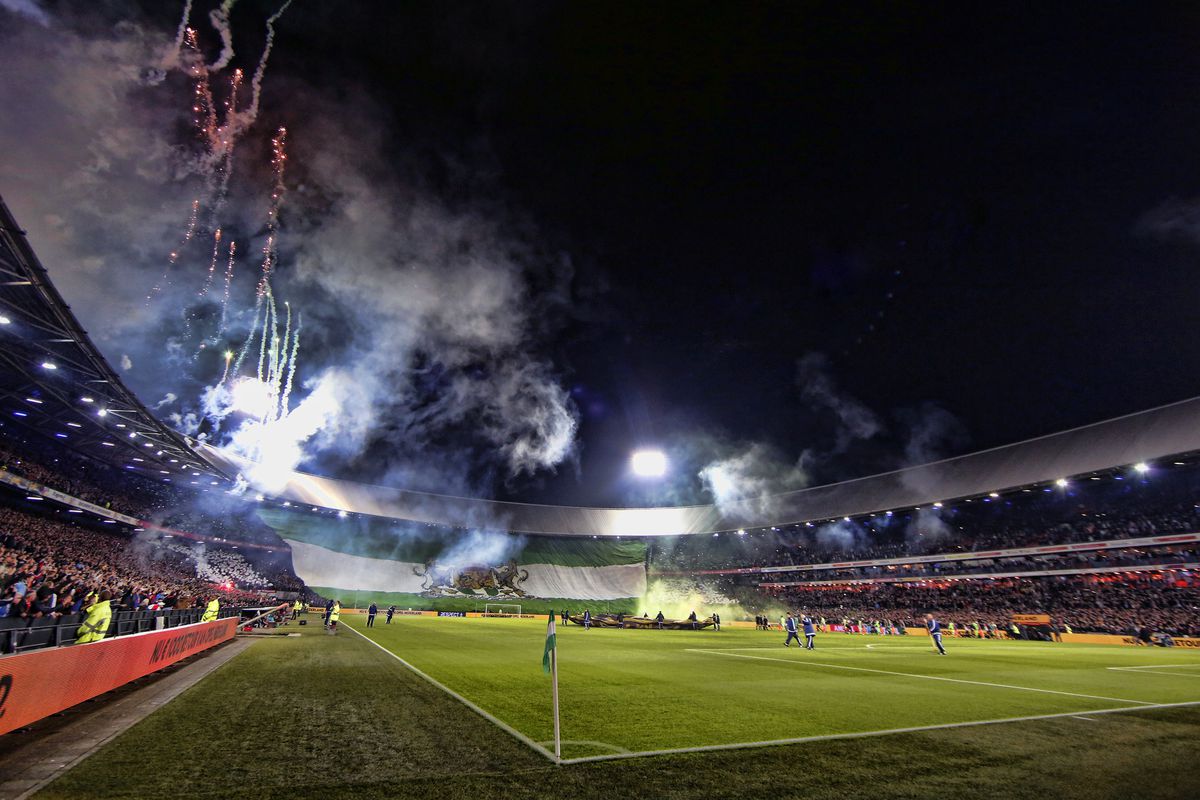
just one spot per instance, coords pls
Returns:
(550, 642)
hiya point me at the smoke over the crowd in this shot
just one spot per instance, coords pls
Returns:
(166, 199)
(927, 526)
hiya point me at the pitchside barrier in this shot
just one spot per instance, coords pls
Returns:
(43, 682)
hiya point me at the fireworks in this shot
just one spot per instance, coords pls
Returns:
(228, 284)
(261, 69)
(212, 265)
(266, 396)
(165, 279)
(278, 164)
(220, 116)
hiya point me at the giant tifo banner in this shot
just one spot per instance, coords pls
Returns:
(43, 682)
(363, 560)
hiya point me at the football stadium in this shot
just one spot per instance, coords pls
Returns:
(326, 473)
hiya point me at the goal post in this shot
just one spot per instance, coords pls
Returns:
(501, 609)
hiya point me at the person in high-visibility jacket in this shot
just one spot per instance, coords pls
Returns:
(95, 624)
(211, 610)
(334, 613)
(296, 608)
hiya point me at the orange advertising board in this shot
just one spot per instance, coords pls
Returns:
(1031, 619)
(43, 682)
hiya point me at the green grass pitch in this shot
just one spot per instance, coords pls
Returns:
(320, 717)
(634, 691)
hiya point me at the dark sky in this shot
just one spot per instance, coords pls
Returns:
(948, 205)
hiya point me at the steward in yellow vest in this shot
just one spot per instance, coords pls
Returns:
(211, 610)
(334, 613)
(95, 624)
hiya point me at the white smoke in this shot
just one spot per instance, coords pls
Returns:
(481, 548)
(423, 341)
(821, 392)
(1173, 220)
(927, 527)
(932, 433)
(27, 8)
(744, 485)
(841, 535)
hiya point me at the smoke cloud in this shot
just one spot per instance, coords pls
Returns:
(821, 392)
(425, 324)
(1174, 220)
(744, 485)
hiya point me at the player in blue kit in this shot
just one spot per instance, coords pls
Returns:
(810, 633)
(789, 625)
(935, 632)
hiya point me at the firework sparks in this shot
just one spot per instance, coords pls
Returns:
(172, 59)
(212, 264)
(228, 285)
(225, 374)
(165, 279)
(278, 164)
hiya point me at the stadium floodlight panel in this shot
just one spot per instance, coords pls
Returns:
(649, 463)
(1061, 483)
(1141, 467)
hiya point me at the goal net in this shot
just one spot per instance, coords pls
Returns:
(501, 610)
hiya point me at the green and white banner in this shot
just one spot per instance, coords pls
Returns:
(416, 565)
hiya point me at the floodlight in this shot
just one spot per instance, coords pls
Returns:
(1061, 483)
(1141, 467)
(648, 463)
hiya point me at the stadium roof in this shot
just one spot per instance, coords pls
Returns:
(55, 383)
(1124, 441)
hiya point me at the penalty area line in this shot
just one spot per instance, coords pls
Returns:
(921, 676)
(499, 723)
(865, 734)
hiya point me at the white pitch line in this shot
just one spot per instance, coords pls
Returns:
(864, 734)
(1150, 669)
(593, 743)
(1085, 719)
(924, 677)
(504, 726)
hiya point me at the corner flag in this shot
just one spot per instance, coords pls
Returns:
(550, 644)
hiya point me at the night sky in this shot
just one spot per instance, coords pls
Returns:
(994, 211)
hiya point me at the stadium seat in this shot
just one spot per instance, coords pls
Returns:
(67, 628)
(40, 633)
(11, 629)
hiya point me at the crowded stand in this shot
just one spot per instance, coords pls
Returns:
(1117, 604)
(49, 567)
(1115, 507)
(1098, 560)
(169, 507)
(57, 561)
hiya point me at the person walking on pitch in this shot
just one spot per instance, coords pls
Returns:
(587, 620)
(371, 612)
(789, 625)
(391, 610)
(335, 613)
(810, 633)
(935, 633)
